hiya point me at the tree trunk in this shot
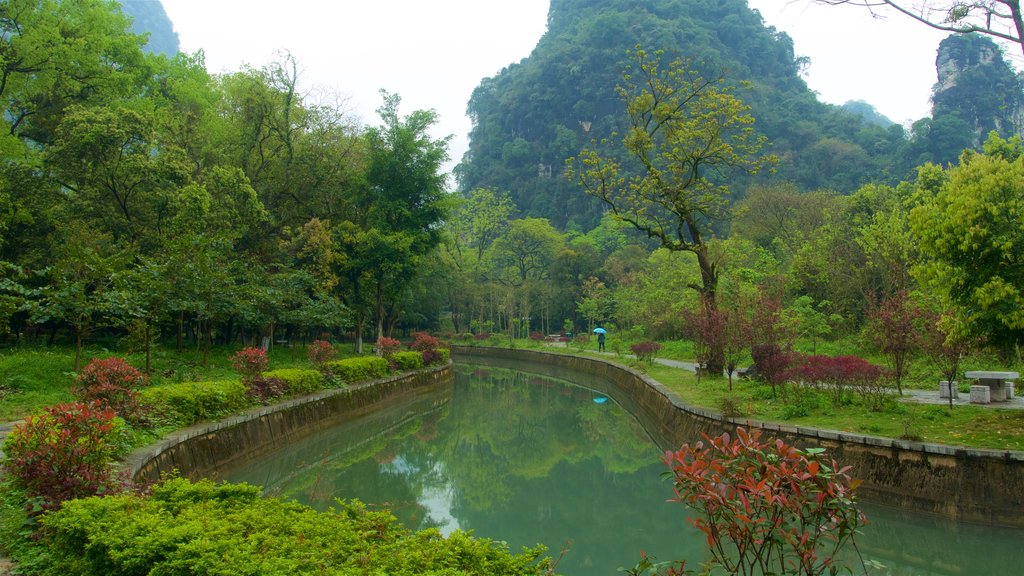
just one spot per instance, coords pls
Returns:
(148, 338)
(78, 349)
(181, 331)
(708, 291)
(380, 309)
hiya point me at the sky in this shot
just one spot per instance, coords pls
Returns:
(434, 53)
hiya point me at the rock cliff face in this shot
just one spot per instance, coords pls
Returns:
(978, 86)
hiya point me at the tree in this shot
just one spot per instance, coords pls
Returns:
(686, 136)
(809, 321)
(892, 325)
(405, 200)
(1000, 19)
(942, 336)
(969, 228)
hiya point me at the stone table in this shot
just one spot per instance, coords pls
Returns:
(995, 381)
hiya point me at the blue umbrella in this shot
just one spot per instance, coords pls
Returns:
(599, 330)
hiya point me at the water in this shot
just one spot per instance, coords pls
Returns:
(530, 459)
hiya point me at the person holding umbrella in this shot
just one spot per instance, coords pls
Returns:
(600, 338)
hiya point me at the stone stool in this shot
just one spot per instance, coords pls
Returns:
(981, 395)
(944, 389)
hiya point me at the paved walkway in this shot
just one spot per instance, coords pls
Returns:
(909, 395)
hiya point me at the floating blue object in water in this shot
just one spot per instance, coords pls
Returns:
(600, 400)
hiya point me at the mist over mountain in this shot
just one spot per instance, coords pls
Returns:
(149, 17)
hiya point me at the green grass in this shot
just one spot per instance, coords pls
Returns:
(33, 378)
(971, 426)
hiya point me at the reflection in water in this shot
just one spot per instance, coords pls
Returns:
(525, 458)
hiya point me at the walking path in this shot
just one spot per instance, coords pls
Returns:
(909, 395)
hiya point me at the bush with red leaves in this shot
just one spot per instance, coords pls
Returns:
(112, 383)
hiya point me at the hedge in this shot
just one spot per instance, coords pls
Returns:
(411, 360)
(358, 369)
(299, 380)
(187, 403)
(186, 528)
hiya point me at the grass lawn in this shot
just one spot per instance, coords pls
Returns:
(971, 426)
(31, 378)
(34, 377)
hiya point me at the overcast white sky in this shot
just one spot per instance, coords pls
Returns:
(433, 53)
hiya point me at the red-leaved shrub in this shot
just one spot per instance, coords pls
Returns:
(536, 336)
(645, 350)
(766, 507)
(481, 335)
(65, 452)
(249, 363)
(320, 352)
(431, 357)
(388, 346)
(112, 383)
(264, 389)
(421, 342)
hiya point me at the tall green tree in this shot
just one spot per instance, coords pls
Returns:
(687, 137)
(404, 202)
(970, 233)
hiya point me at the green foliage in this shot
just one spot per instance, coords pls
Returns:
(359, 369)
(191, 528)
(298, 380)
(187, 403)
(410, 360)
(969, 229)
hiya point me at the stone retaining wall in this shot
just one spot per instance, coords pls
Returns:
(203, 450)
(962, 484)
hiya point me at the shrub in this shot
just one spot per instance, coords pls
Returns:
(298, 380)
(320, 352)
(431, 357)
(481, 335)
(187, 403)
(186, 528)
(387, 346)
(581, 341)
(536, 336)
(112, 383)
(65, 452)
(421, 341)
(263, 389)
(410, 360)
(646, 350)
(835, 373)
(358, 369)
(249, 363)
(770, 363)
(766, 507)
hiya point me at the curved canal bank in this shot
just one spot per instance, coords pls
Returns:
(961, 484)
(957, 483)
(204, 449)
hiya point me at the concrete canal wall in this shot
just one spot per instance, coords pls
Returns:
(205, 449)
(963, 484)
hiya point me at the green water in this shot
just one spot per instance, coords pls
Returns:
(530, 459)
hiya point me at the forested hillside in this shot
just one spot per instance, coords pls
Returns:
(533, 115)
